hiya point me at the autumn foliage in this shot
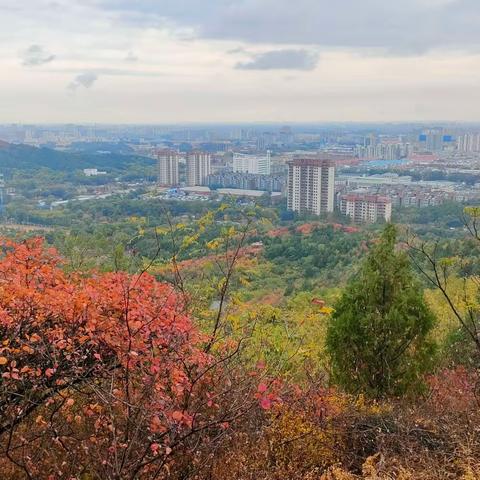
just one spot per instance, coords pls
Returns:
(103, 376)
(107, 377)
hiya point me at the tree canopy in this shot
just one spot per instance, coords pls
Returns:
(378, 336)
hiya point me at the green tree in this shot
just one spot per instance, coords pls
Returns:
(378, 337)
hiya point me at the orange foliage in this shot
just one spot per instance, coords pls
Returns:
(453, 390)
(103, 375)
(244, 253)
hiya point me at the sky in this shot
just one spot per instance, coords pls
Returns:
(174, 61)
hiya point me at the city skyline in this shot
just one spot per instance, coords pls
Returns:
(108, 61)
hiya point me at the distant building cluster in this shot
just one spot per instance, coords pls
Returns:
(319, 168)
(402, 191)
(384, 151)
(435, 140)
(249, 181)
(366, 208)
(248, 163)
(250, 172)
(198, 167)
(312, 188)
(395, 148)
(263, 140)
(203, 193)
(421, 197)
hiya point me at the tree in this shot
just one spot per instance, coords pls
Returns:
(446, 272)
(378, 336)
(106, 376)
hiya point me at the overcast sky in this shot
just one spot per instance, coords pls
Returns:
(167, 61)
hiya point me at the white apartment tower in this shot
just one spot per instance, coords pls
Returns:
(167, 167)
(311, 186)
(365, 208)
(198, 168)
(258, 164)
(470, 142)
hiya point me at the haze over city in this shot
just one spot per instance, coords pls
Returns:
(220, 61)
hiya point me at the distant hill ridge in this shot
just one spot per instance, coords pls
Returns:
(26, 157)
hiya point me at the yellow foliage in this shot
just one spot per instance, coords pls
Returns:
(162, 230)
(138, 220)
(371, 407)
(336, 473)
(213, 244)
(473, 212)
(290, 338)
(206, 220)
(295, 439)
(326, 310)
(229, 232)
(369, 468)
(404, 475)
(187, 241)
(470, 474)
(464, 294)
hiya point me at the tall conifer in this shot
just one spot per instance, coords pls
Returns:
(378, 337)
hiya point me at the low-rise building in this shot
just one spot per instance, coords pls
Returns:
(92, 172)
(248, 181)
(364, 208)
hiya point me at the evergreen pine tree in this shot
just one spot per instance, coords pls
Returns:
(378, 337)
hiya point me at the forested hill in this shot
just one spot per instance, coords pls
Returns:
(25, 157)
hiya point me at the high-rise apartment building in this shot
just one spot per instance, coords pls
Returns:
(311, 186)
(370, 140)
(382, 151)
(167, 167)
(257, 164)
(198, 168)
(470, 142)
(365, 208)
(434, 140)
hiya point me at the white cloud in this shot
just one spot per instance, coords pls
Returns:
(36, 55)
(85, 80)
(281, 60)
(197, 60)
(394, 26)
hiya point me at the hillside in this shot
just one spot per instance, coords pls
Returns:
(25, 157)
